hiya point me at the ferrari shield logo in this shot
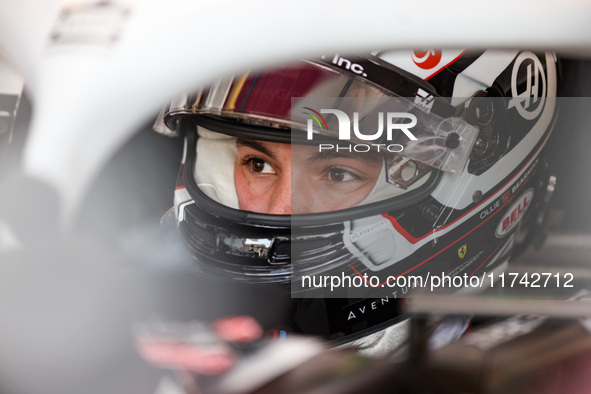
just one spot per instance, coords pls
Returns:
(462, 251)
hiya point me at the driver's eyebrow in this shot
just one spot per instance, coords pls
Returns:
(254, 145)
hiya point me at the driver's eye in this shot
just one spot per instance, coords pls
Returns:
(257, 165)
(260, 166)
(340, 175)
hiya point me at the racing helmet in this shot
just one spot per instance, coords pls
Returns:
(460, 141)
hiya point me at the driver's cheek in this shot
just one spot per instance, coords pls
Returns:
(309, 196)
(270, 194)
(314, 196)
(279, 196)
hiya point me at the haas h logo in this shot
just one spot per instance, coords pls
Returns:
(530, 100)
(426, 58)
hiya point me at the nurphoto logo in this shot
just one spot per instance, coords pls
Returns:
(388, 123)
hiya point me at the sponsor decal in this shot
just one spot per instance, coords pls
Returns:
(424, 63)
(492, 207)
(462, 251)
(506, 196)
(367, 230)
(347, 64)
(424, 100)
(466, 264)
(366, 309)
(529, 102)
(426, 58)
(524, 176)
(515, 213)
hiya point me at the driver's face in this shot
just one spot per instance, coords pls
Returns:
(284, 179)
